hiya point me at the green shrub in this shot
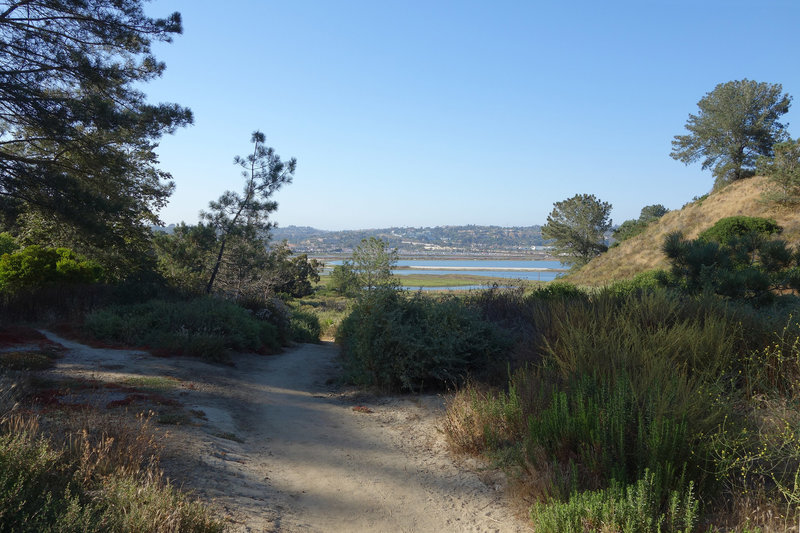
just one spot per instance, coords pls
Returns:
(395, 342)
(726, 229)
(36, 266)
(612, 432)
(556, 290)
(204, 327)
(304, 326)
(329, 310)
(7, 244)
(623, 384)
(630, 396)
(747, 267)
(36, 491)
(623, 508)
(643, 281)
(500, 305)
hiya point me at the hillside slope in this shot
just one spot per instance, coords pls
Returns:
(643, 252)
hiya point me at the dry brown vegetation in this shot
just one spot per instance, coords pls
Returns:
(643, 252)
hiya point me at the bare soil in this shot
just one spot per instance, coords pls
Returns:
(273, 444)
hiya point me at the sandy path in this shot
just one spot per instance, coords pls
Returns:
(307, 462)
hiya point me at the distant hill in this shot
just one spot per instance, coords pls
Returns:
(427, 240)
(643, 252)
(439, 240)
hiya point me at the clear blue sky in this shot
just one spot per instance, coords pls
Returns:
(425, 113)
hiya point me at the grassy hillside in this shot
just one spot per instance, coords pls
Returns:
(643, 252)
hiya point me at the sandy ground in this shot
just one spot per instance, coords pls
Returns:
(273, 446)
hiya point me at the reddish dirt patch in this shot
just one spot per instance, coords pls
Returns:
(11, 336)
(50, 399)
(15, 335)
(141, 397)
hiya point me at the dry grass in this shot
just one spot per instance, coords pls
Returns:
(27, 360)
(643, 252)
(81, 467)
(105, 465)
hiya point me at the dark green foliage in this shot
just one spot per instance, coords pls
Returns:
(53, 301)
(246, 215)
(36, 266)
(125, 256)
(7, 244)
(185, 255)
(203, 327)
(737, 123)
(783, 171)
(372, 263)
(577, 228)
(369, 268)
(744, 266)
(624, 401)
(631, 228)
(728, 229)
(79, 136)
(616, 431)
(627, 230)
(343, 280)
(251, 270)
(288, 274)
(393, 341)
(624, 386)
(304, 326)
(642, 282)
(557, 290)
(652, 212)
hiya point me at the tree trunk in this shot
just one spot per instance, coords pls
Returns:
(216, 267)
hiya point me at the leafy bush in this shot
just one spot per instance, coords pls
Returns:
(627, 509)
(783, 172)
(729, 228)
(627, 396)
(37, 266)
(7, 244)
(343, 280)
(204, 327)
(396, 342)
(329, 310)
(557, 290)
(746, 267)
(304, 326)
(633, 227)
(615, 433)
(643, 281)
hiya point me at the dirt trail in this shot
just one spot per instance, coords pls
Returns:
(279, 449)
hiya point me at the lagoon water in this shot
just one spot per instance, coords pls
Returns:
(498, 268)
